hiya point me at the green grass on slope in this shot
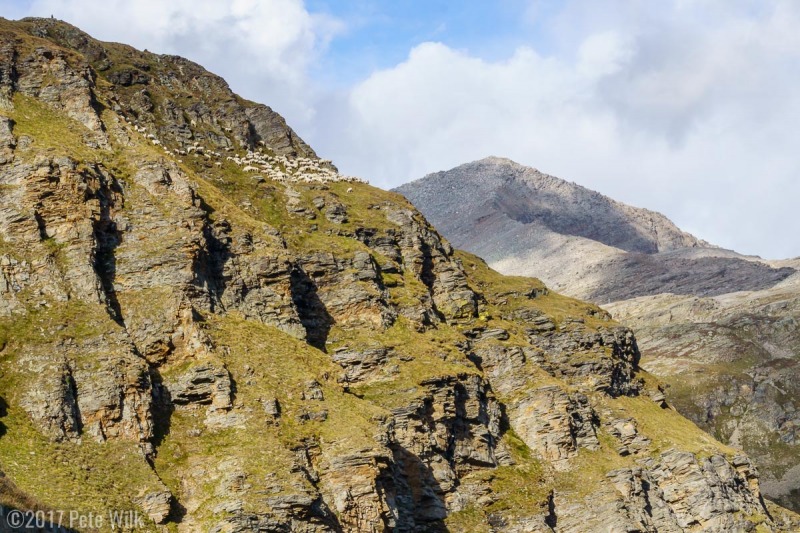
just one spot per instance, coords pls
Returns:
(57, 322)
(265, 364)
(508, 293)
(52, 133)
(417, 357)
(519, 490)
(86, 476)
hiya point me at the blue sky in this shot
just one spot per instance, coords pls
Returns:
(688, 107)
(379, 34)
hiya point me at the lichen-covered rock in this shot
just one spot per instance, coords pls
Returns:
(7, 140)
(53, 405)
(554, 425)
(202, 384)
(624, 430)
(103, 396)
(360, 365)
(328, 290)
(351, 482)
(47, 73)
(428, 257)
(336, 213)
(676, 491)
(157, 505)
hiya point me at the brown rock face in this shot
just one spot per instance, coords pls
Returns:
(222, 351)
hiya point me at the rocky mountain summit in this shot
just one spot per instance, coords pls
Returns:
(719, 328)
(577, 241)
(280, 348)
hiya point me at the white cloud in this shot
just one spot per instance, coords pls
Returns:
(603, 54)
(263, 48)
(688, 107)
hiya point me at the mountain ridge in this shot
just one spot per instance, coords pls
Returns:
(615, 251)
(655, 232)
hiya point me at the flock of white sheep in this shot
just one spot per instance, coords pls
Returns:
(275, 167)
(290, 170)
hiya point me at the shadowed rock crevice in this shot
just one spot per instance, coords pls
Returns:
(72, 404)
(8, 72)
(551, 519)
(314, 316)
(322, 514)
(107, 238)
(105, 265)
(177, 512)
(209, 264)
(418, 497)
(3, 414)
(96, 104)
(427, 274)
(41, 225)
(162, 408)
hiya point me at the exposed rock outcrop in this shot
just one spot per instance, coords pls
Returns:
(664, 494)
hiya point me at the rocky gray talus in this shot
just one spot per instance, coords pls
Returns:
(223, 351)
(719, 328)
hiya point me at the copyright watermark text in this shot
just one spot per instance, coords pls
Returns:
(66, 521)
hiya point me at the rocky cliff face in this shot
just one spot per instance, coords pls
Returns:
(719, 328)
(731, 362)
(250, 342)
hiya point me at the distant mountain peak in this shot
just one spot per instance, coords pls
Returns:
(526, 222)
(499, 186)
